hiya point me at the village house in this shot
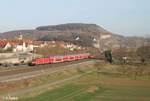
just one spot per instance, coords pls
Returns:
(17, 45)
(23, 45)
(72, 47)
(4, 45)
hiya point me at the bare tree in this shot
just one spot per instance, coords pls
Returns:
(144, 53)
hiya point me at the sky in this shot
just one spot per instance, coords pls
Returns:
(124, 17)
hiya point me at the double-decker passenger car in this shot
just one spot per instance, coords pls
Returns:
(61, 58)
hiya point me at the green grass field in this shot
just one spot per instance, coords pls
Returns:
(98, 87)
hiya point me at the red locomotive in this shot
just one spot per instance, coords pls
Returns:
(57, 59)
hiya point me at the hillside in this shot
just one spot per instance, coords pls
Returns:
(63, 32)
(76, 28)
(77, 33)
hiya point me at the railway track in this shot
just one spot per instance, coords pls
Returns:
(27, 75)
(38, 68)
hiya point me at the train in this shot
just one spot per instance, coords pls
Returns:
(59, 58)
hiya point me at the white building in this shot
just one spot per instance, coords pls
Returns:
(7, 46)
(23, 48)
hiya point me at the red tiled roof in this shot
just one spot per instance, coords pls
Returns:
(3, 43)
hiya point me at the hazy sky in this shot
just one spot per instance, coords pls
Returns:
(126, 17)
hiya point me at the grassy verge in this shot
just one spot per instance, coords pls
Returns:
(67, 93)
(98, 87)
